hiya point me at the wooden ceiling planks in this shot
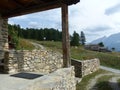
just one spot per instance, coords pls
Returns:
(7, 4)
(11, 8)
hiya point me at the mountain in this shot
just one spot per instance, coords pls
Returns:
(99, 40)
(113, 41)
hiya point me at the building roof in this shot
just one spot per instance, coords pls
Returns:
(11, 8)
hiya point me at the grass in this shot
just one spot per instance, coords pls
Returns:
(81, 54)
(118, 82)
(85, 80)
(110, 59)
(54, 45)
(103, 84)
(24, 45)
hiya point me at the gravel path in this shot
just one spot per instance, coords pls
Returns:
(92, 82)
(112, 81)
(110, 69)
(38, 46)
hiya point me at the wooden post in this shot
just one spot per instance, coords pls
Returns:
(65, 37)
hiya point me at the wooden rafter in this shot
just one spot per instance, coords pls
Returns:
(41, 1)
(31, 9)
(10, 8)
(18, 3)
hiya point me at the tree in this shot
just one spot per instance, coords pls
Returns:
(13, 36)
(113, 49)
(101, 44)
(82, 38)
(75, 39)
(36, 34)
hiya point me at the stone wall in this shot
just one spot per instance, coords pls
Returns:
(1, 54)
(43, 61)
(3, 41)
(3, 34)
(62, 79)
(83, 68)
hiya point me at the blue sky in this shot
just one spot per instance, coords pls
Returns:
(96, 18)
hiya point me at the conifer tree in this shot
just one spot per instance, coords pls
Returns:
(75, 39)
(82, 38)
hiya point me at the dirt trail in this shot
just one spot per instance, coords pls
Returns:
(93, 81)
(112, 81)
(38, 46)
(110, 69)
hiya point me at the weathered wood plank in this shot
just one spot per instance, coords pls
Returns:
(31, 9)
(65, 37)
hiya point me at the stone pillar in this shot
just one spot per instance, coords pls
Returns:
(6, 62)
(4, 42)
(3, 34)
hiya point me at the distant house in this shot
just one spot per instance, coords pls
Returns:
(95, 47)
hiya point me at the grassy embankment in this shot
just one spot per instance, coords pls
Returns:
(24, 45)
(111, 59)
(118, 82)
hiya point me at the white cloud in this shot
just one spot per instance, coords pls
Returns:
(112, 10)
(21, 17)
(33, 25)
(91, 14)
(11, 22)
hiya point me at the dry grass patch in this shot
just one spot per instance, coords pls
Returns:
(85, 81)
(25, 45)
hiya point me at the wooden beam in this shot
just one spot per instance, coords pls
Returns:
(65, 37)
(18, 3)
(31, 9)
(41, 1)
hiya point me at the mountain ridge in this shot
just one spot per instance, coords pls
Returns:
(112, 41)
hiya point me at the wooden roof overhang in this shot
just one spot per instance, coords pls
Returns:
(11, 8)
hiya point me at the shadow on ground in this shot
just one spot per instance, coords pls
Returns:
(105, 85)
(26, 75)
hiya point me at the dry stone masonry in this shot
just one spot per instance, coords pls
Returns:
(3, 40)
(43, 61)
(90, 66)
(3, 34)
(62, 79)
(85, 67)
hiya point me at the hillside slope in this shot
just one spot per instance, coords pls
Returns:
(111, 59)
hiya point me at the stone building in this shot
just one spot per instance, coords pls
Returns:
(96, 47)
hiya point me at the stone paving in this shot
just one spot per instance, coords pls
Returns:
(61, 79)
(8, 82)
